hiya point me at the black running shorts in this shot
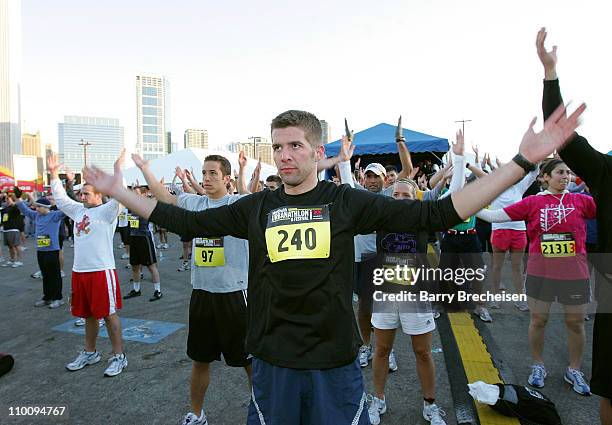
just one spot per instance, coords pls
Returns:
(567, 292)
(142, 250)
(217, 325)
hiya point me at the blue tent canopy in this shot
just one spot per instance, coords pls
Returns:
(380, 139)
(610, 153)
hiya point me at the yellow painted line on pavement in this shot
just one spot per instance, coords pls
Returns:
(477, 364)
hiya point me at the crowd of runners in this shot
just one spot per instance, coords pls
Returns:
(278, 267)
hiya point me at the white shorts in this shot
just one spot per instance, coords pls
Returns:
(412, 323)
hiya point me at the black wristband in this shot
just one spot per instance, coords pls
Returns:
(467, 165)
(521, 161)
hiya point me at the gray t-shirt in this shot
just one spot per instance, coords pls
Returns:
(209, 253)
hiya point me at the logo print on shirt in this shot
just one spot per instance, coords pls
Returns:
(553, 215)
(82, 226)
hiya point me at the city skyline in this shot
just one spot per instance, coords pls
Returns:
(477, 62)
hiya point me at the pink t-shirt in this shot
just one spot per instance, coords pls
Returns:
(556, 232)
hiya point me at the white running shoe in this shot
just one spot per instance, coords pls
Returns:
(84, 359)
(377, 408)
(79, 322)
(166, 247)
(365, 355)
(101, 322)
(41, 303)
(125, 256)
(522, 305)
(16, 264)
(118, 362)
(121, 245)
(56, 304)
(392, 362)
(9, 263)
(36, 275)
(433, 414)
(191, 419)
(483, 314)
(63, 274)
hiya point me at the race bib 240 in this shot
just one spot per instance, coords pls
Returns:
(294, 233)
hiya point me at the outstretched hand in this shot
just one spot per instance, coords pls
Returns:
(459, 145)
(102, 181)
(52, 164)
(347, 149)
(140, 162)
(242, 159)
(178, 172)
(548, 58)
(558, 129)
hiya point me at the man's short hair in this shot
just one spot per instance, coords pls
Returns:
(303, 120)
(93, 188)
(226, 167)
(274, 178)
(390, 169)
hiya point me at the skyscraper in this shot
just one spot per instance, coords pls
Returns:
(196, 138)
(325, 132)
(10, 72)
(153, 116)
(30, 144)
(104, 137)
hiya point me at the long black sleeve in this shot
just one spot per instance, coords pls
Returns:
(372, 212)
(229, 220)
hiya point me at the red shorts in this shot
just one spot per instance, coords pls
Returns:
(509, 239)
(95, 294)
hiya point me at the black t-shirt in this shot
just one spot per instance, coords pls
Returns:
(12, 218)
(301, 257)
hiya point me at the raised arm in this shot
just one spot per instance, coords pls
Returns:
(255, 178)
(25, 210)
(405, 159)
(534, 148)
(157, 189)
(69, 206)
(241, 184)
(578, 154)
(194, 183)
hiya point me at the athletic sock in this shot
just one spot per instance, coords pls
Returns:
(157, 286)
(136, 286)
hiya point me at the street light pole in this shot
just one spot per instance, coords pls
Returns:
(463, 125)
(84, 144)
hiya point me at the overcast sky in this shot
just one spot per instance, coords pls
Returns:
(234, 65)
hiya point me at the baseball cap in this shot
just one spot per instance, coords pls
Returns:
(43, 202)
(376, 168)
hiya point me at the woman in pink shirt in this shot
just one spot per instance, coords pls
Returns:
(557, 269)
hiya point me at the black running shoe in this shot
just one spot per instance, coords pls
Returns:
(132, 294)
(156, 296)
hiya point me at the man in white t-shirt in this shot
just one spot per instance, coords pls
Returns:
(95, 285)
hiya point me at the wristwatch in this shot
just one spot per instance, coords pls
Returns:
(467, 165)
(524, 163)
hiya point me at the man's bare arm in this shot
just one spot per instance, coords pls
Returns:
(534, 147)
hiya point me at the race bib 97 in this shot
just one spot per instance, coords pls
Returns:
(294, 233)
(209, 252)
(555, 245)
(134, 222)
